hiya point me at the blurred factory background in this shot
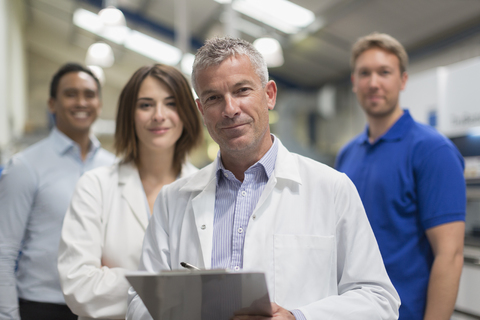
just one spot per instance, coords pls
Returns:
(308, 42)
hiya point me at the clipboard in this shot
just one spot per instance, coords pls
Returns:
(202, 295)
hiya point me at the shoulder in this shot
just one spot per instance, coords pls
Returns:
(320, 174)
(104, 175)
(427, 142)
(104, 157)
(350, 146)
(196, 180)
(26, 164)
(188, 169)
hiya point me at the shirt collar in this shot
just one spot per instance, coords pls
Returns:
(267, 162)
(62, 143)
(396, 132)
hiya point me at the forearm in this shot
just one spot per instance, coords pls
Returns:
(8, 288)
(443, 287)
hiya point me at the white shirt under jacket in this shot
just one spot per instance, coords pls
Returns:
(102, 239)
(308, 233)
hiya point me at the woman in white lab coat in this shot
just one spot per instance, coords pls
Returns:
(157, 125)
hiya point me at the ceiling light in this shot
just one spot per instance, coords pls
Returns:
(100, 54)
(112, 16)
(92, 22)
(133, 40)
(271, 51)
(283, 15)
(152, 48)
(87, 20)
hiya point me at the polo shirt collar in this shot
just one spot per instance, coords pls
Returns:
(61, 143)
(396, 132)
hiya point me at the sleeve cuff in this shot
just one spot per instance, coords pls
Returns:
(298, 314)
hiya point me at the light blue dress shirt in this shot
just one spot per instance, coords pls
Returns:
(234, 204)
(35, 191)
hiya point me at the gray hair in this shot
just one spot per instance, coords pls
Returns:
(218, 49)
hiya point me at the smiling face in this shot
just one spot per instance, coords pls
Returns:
(76, 105)
(157, 124)
(377, 82)
(235, 107)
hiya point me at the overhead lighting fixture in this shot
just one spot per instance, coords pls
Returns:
(93, 23)
(283, 15)
(271, 51)
(100, 54)
(112, 17)
(131, 39)
(152, 48)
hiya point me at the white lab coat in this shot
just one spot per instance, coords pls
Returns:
(308, 233)
(102, 239)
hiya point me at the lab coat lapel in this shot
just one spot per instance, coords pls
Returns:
(286, 168)
(132, 192)
(203, 206)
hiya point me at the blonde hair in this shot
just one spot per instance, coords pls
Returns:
(382, 41)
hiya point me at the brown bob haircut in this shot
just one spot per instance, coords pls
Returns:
(381, 41)
(126, 140)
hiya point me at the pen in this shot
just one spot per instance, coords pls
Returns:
(188, 266)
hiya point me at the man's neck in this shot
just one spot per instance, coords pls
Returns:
(378, 126)
(239, 162)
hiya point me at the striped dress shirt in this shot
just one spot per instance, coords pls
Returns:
(234, 204)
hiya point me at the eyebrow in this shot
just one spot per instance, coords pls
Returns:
(236, 85)
(151, 99)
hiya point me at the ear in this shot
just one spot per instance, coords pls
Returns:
(404, 80)
(199, 106)
(271, 93)
(352, 79)
(51, 105)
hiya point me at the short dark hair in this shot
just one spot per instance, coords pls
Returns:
(126, 140)
(67, 68)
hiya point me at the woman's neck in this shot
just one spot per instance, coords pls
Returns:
(156, 169)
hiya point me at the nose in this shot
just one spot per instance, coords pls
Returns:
(159, 113)
(374, 80)
(231, 108)
(82, 100)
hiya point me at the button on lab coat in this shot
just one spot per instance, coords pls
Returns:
(308, 233)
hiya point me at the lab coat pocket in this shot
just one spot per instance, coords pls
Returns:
(304, 268)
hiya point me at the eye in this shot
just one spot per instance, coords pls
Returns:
(385, 72)
(172, 104)
(211, 99)
(70, 94)
(144, 105)
(90, 94)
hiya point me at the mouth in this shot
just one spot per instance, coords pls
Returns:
(158, 130)
(80, 115)
(235, 126)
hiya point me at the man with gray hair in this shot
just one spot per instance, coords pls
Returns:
(259, 207)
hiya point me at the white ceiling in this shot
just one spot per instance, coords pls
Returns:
(311, 58)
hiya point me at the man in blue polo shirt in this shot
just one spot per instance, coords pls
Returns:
(410, 179)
